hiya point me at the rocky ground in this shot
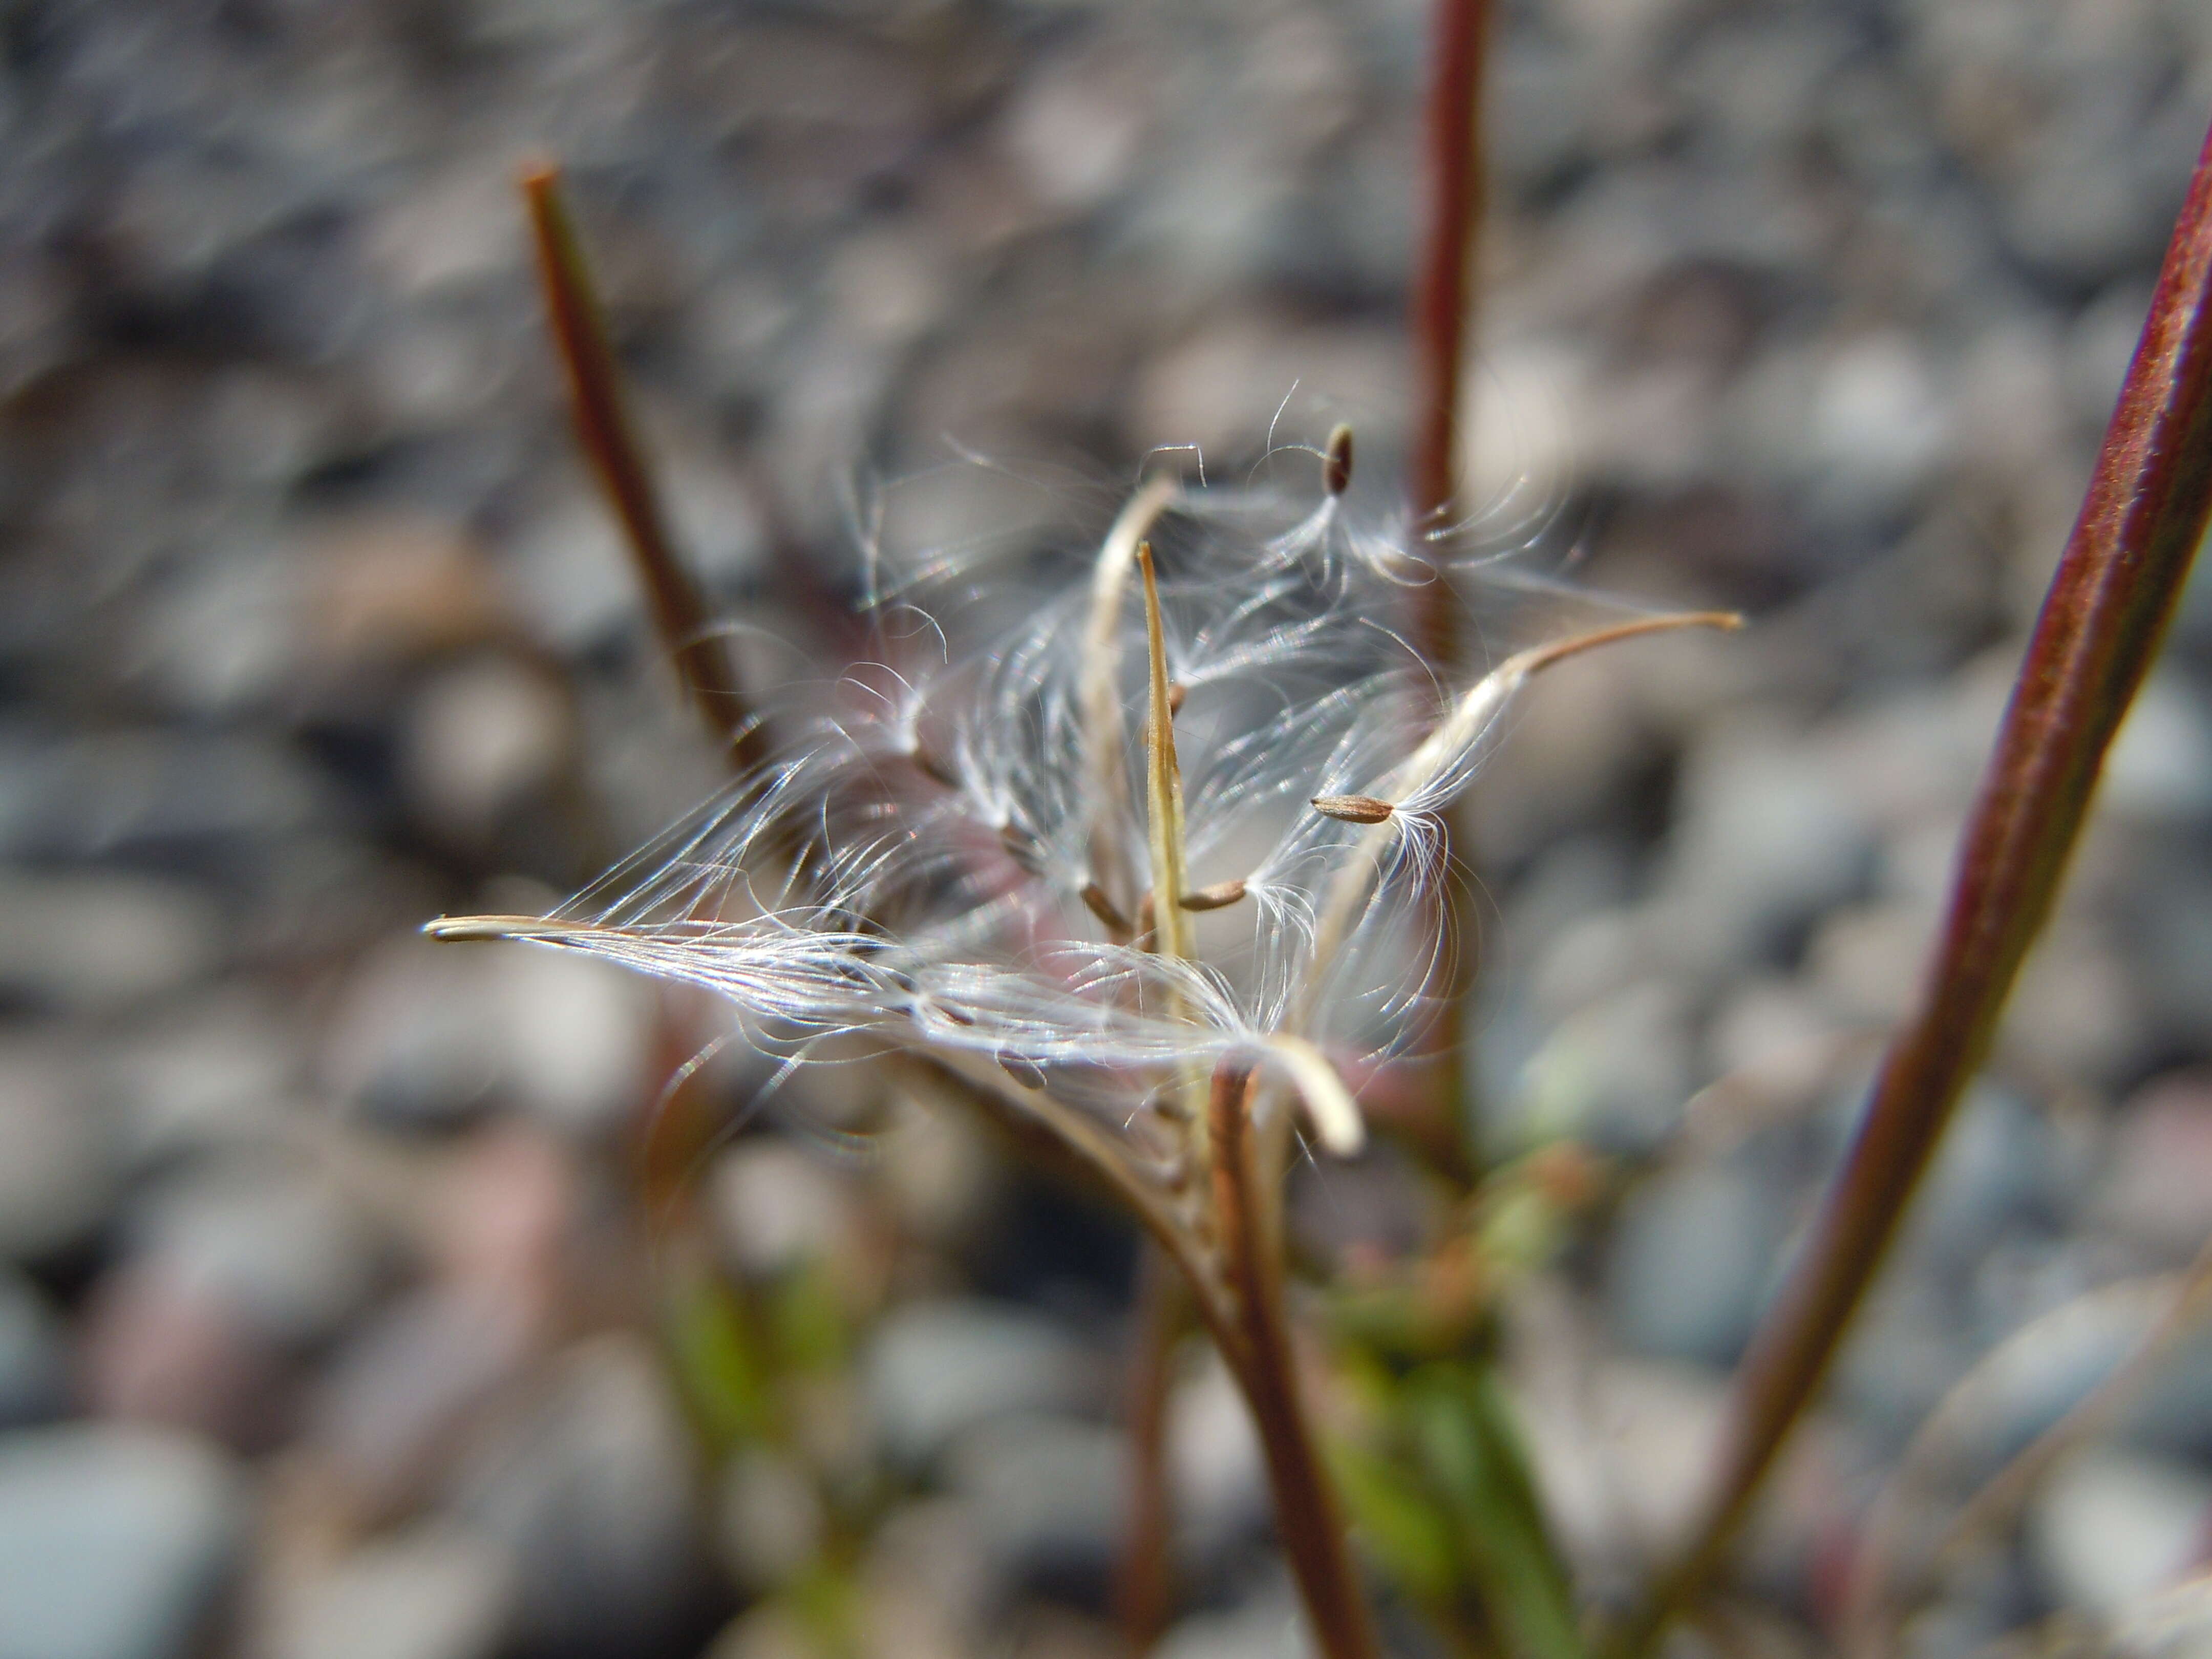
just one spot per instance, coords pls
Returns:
(332, 1297)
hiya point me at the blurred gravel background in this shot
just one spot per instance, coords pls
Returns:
(327, 1277)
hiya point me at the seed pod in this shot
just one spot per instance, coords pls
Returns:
(1020, 1067)
(933, 766)
(1336, 461)
(1354, 809)
(1022, 846)
(1214, 897)
(1094, 898)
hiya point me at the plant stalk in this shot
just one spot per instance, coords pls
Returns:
(1454, 219)
(1442, 325)
(1306, 1513)
(2100, 625)
(610, 442)
(1144, 1592)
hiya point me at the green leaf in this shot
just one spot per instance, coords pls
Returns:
(1464, 1437)
(719, 1367)
(1400, 1523)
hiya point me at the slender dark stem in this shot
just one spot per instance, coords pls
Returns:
(1443, 303)
(1453, 181)
(1306, 1511)
(1145, 1589)
(2100, 626)
(609, 441)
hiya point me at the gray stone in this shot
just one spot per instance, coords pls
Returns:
(113, 1542)
(1691, 1259)
(101, 942)
(1616, 1072)
(571, 573)
(32, 1378)
(2156, 1186)
(2101, 345)
(141, 794)
(1049, 1493)
(1768, 834)
(928, 1583)
(2112, 1528)
(430, 1034)
(434, 1591)
(278, 1243)
(1866, 960)
(217, 1073)
(771, 1519)
(1993, 1169)
(1268, 1624)
(2172, 929)
(2176, 1624)
(478, 738)
(589, 1487)
(1879, 425)
(1219, 1480)
(157, 1344)
(775, 1208)
(393, 1397)
(2160, 769)
(934, 1369)
(58, 1158)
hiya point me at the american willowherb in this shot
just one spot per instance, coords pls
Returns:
(988, 841)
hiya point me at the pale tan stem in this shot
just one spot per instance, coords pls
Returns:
(1306, 1513)
(1099, 695)
(1144, 1582)
(1171, 923)
(1164, 784)
(1465, 723)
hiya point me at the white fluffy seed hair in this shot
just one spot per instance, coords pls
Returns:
(947, 851)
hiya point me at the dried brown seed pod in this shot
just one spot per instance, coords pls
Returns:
(1354, 809)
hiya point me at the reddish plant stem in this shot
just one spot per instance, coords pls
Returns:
(1145, 1592)
(1306, 1512)
(2100, 625)
(1442, 322)
(610, 442)
(1453, 145)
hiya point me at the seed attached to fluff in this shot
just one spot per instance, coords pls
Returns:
(1022, 846)
(933, 768)
(1176, 693)
(1095, 899)
(1336, 462)
(1020, 1067)
(1214, 897)
(1354, 809)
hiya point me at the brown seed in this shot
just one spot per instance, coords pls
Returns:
(1021, 847)
(1177, 692)
(932, 767)
(1336, 461)
(1094, 896)
(1354, 809)
(1020, 1067)
(1214, 897)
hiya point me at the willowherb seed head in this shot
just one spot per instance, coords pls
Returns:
(994, 839)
